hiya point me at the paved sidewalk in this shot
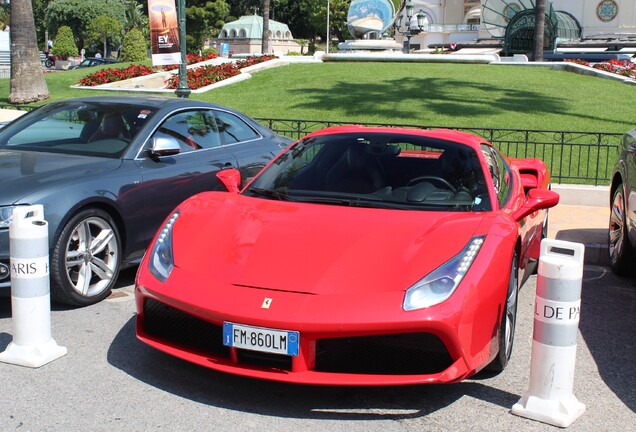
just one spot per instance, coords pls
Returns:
(10, 114)
(582, 224)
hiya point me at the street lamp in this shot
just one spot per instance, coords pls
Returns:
(328, 30)
(182, 91)
(410, 32)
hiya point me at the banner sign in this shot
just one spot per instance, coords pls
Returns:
(164, 32)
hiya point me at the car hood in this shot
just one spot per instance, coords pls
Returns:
(314, 248)
(23, 173)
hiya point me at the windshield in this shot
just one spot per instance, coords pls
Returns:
(382, 170)
(79, 128)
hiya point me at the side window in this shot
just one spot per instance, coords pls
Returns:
(193, 130)
(233, 129)
(499, 172)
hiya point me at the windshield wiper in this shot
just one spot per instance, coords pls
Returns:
(354, 202)
(270, 193)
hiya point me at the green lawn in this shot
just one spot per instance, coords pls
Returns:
(453, 95)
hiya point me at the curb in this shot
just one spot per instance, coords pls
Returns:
(583, 195)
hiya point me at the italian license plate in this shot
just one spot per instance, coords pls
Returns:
(261, 339)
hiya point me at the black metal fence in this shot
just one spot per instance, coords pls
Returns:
(573, 157)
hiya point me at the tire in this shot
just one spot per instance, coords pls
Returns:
(508, 321)
(48, 63)
(86, 259)
(621, 252)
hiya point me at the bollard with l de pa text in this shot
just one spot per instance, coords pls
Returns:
(557, 309)
(32, 344)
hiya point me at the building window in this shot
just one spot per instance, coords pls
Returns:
(242, 33)
(607, 10)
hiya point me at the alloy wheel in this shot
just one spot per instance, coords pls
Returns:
(92, 256)
(617, 227)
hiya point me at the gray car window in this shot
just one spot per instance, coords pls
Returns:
(193, 130)
(499, 172)
(233, 129)
(95, 129)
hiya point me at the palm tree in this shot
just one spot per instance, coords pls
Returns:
(265, 45)
(539, 29)
(27, 82)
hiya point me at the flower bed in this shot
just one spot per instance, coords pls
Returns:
(206, 75)
(620, 67)
(105, 76)
(197, 77)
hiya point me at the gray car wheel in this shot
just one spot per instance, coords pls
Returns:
(86, 259)
(621, 253)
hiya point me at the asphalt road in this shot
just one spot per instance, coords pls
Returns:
(109, 381)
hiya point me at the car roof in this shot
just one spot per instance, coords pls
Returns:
(156, 102)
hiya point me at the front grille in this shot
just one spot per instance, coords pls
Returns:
(398, 354)
(172, 325)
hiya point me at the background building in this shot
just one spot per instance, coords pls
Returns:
(245, 36)
(456, 21)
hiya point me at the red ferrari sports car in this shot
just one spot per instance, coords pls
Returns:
(358, 256)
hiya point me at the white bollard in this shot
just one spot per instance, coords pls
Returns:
(32, 344)
(549, 398)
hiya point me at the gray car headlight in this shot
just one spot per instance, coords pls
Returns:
(6, 216)
(161, 260)
(438, 285)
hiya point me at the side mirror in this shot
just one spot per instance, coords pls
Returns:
(164, 146)
(537, 199)
(231, 179)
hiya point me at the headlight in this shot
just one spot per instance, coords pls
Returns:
(161, 260)
(6, 216)
(438, 285)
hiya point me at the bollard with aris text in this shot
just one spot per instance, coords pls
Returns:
(32, 343)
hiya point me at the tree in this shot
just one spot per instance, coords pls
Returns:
(64, 46)
(266, 42)
(539, 30)
(297, 14)
(27, 82)
(78, 15)
(136, 16)
(239, 8)
(103, 28)
(308, 18)
(338, 10)
(135, 48)
(204, 19)
(4, 14)
(39, 8)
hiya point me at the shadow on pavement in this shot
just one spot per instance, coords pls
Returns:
(608, 322)
(584, 235)
(287, 400)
